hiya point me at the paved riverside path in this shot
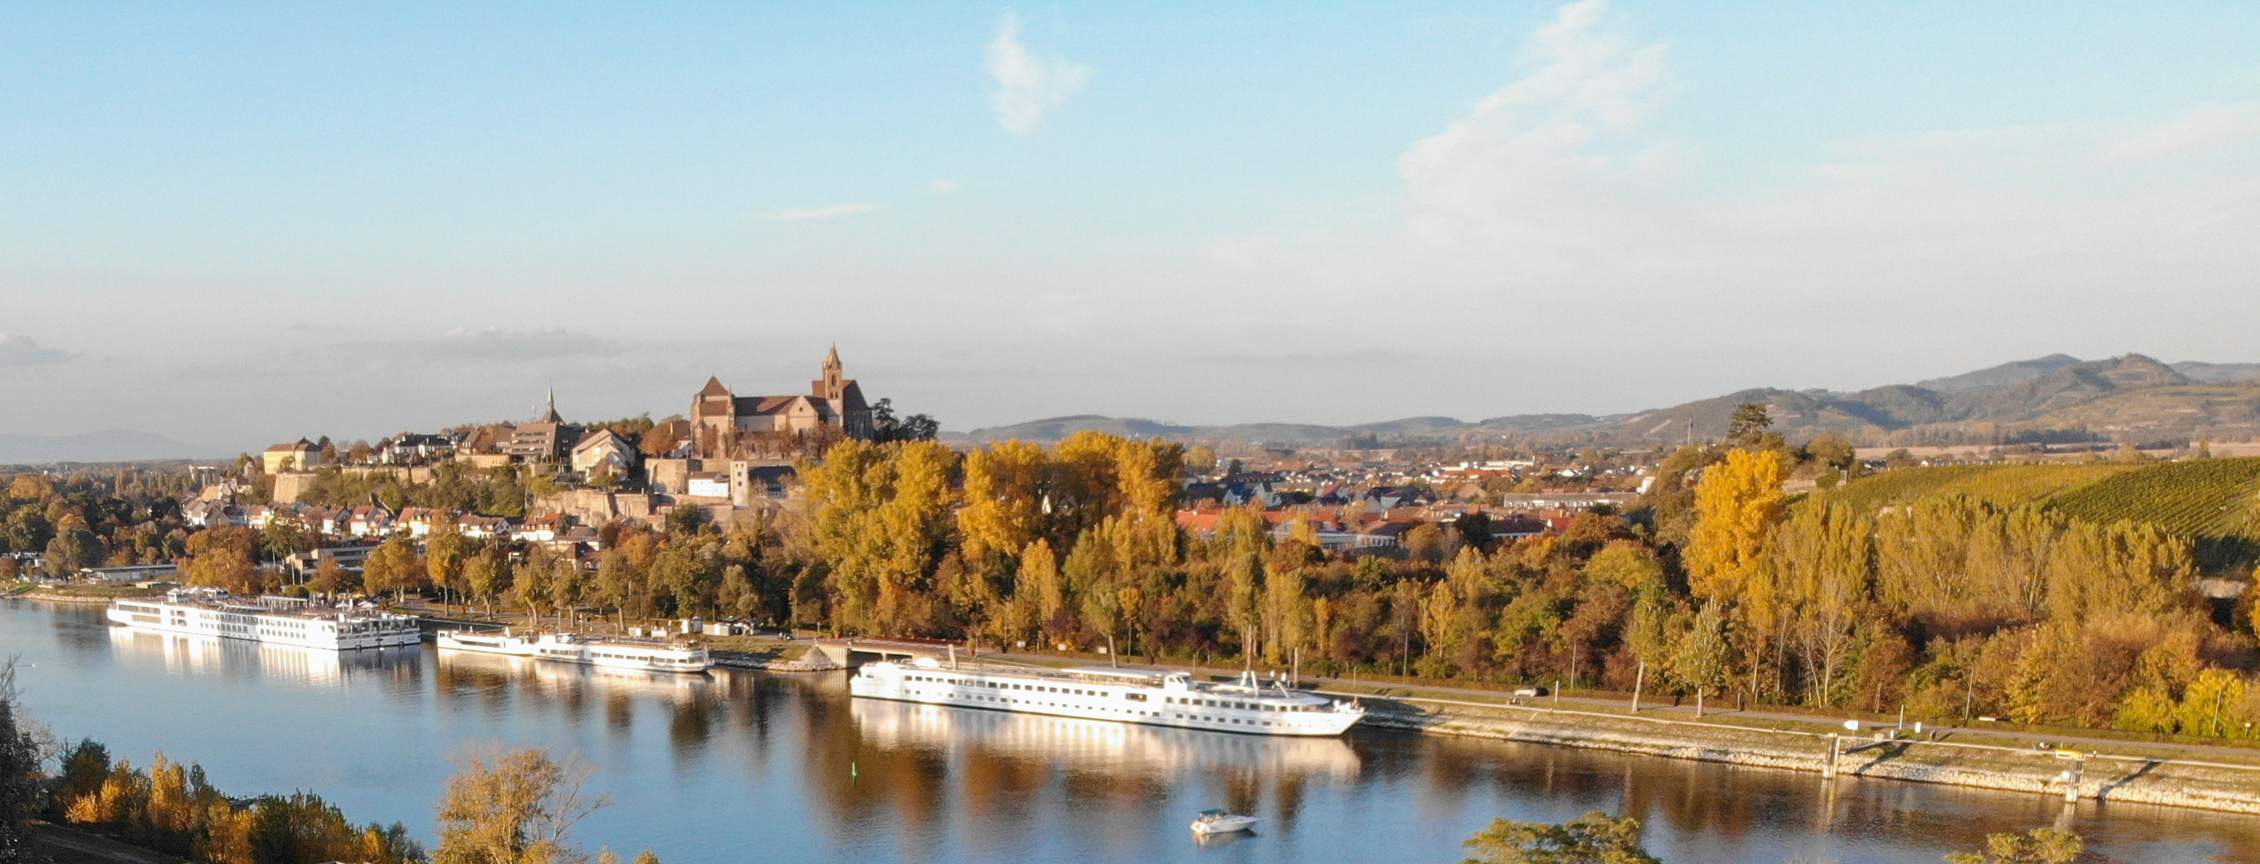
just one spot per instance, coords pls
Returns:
(2237, 758)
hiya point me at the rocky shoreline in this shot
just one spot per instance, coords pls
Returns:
(2100, 777)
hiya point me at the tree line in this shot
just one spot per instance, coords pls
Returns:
(1716, 585)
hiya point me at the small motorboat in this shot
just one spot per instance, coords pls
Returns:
(1219, 822)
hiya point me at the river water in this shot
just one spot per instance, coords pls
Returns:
(738, 767)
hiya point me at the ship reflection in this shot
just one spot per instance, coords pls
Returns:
(1110, 748)
(181, 654)
(693, 705)
(570, 680)
(930, 766)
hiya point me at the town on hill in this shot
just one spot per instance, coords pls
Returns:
(2094, 589)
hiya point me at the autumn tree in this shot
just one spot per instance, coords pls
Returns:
(445, 554)
(1004, 503)
(223, 558)
(1820, 570)
(2038, 846)
(881, 514)
(1593, 838)
(515, 807)
(393, 567)
(486, 574)
(1736, 505)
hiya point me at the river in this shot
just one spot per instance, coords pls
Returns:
(735, 767)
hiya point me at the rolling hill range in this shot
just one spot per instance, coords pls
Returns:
(109, 445)
(2215, 503)
(2132, 398)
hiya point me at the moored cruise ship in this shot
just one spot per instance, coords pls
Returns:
(643, 654)
(1154, 698)
(270, 620)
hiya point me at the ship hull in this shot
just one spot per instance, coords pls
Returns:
(1097, 700)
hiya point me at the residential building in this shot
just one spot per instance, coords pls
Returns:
(542, 439)
(604, 448)
(299, 455)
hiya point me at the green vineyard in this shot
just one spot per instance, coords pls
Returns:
(2006, 485)
(2213, 502)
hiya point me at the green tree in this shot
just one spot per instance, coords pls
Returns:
(1700, 655)
(1748, 426)
(20, 779)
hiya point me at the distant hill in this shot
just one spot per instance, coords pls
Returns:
(108, 445)
(2017, 372)
(2219, 373)
(2055, 397)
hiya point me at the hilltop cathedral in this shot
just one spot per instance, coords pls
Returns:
(834, 405)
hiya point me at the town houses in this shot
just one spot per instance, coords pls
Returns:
(557, 480)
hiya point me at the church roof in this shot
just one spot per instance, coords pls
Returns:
(713, 388)
(759, 405)
(851, 397)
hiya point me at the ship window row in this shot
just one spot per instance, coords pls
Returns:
(1243, 706)
(1002, 685)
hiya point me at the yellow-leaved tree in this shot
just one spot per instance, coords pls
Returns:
(1737, 505)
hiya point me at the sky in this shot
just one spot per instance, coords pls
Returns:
(239, 223)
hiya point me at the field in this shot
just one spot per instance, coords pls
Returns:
(2213, 502)
(2001, 484)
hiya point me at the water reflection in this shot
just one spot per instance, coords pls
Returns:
(1114, 749)
(290, 665)
(705, 768)
(497, 685)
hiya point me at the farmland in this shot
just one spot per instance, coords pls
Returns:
(2215, 503)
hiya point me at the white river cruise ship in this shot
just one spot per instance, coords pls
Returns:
(1155, 698)
(609, 653)
(270, 620)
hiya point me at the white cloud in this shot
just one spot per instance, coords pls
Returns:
(1027, 86)
(1557, 199)
(1533, 160)
(819, 214)
(2201, 127)
(943, 186)
(16, 350)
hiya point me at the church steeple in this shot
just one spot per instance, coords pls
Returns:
(834, 378)
(550, 415)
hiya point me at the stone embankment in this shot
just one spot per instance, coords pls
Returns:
(2099, 776)
(773, 661)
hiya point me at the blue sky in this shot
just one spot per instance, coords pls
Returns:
(409, 215)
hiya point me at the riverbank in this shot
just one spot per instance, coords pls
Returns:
(2223, 777)
(2226, 787)
(75, 594)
